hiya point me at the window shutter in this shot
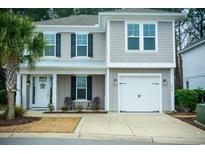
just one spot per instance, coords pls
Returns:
(89, 87)
(90, 45)
(58, 45)
(41, 35)
(73, 45)
(73, 87)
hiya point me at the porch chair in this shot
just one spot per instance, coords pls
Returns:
(94, 104)
(69, 103)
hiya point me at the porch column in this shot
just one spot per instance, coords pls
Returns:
(107, 93)
(172, 89)
(24, 91)
(54, 90)
(18, 91)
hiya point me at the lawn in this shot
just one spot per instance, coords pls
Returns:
(39, 125)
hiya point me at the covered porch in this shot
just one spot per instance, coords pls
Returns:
(38, 88)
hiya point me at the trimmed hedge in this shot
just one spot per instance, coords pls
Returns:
(186, 99)
(201, 95)
(3, 97)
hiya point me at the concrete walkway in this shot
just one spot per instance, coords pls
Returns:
(146, 128)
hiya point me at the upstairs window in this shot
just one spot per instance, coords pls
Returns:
(149, 36)
(50, 44)
(82, 45)
(133, 38)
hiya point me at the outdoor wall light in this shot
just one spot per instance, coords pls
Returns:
(164, 82)
(115, 81)
(28, 83)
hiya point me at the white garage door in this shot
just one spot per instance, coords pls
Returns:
(140, 93)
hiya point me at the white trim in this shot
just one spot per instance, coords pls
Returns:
(108, 42)
(63, 71)
(141, 65)
(172, 89)
(24, 91)
(143, 14)
(186, 49)
(53, 33)
(76, 47)
(69, 26)
(174, 45)
(141, 36)
(140, 74)
(54, 91)
(19, 90)
(107, 91)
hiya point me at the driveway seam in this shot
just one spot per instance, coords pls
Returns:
(127, 125)
(80, 129)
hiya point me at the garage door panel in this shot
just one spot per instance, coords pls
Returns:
(139, 93)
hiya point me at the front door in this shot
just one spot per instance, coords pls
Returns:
(41, 91)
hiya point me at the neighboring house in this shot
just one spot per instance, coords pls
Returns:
(126, 57)
(193, 58)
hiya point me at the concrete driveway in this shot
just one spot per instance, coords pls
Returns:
(159, 128)
(150, 128)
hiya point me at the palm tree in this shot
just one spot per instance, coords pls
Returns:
(17, 35)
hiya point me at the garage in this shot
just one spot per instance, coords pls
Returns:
(139, 92)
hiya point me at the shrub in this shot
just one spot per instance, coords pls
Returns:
(186, 99)
(3, 96)
(64, 108)
(19, 111)
(50, 107)
(79, 108)
(201, 95)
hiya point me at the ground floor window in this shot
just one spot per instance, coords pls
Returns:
(81, 87)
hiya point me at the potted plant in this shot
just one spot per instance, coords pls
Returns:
(50, 107)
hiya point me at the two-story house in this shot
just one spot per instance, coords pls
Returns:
(125, 57)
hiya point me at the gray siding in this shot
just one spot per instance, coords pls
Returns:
(166, 90)
(98, 46)
(194, 67)
(64, 89)
(117, 45)
(98, 88)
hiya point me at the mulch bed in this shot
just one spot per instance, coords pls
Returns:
(187, 117)
(18, 121)
(76, 112)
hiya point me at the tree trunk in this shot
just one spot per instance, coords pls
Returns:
(11, 76)
(11, 112)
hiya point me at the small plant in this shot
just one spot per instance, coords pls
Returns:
(50, 107)
(64, 108)
(186, 99)
(19, 111)
(79, 108)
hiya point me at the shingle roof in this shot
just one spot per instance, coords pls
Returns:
(138, 10)
(72, 20)
(194, 44)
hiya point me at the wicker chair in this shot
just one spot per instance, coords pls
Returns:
(69, 103)
(94, 104)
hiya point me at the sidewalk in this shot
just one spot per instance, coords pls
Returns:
(145, 128)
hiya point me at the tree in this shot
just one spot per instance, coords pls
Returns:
(18, 44)
(195, 23)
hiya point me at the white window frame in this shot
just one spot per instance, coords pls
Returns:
(76, 47)
(149, 36)
(141, 37)
(81, 88)
(50, 33)
(133, 36)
